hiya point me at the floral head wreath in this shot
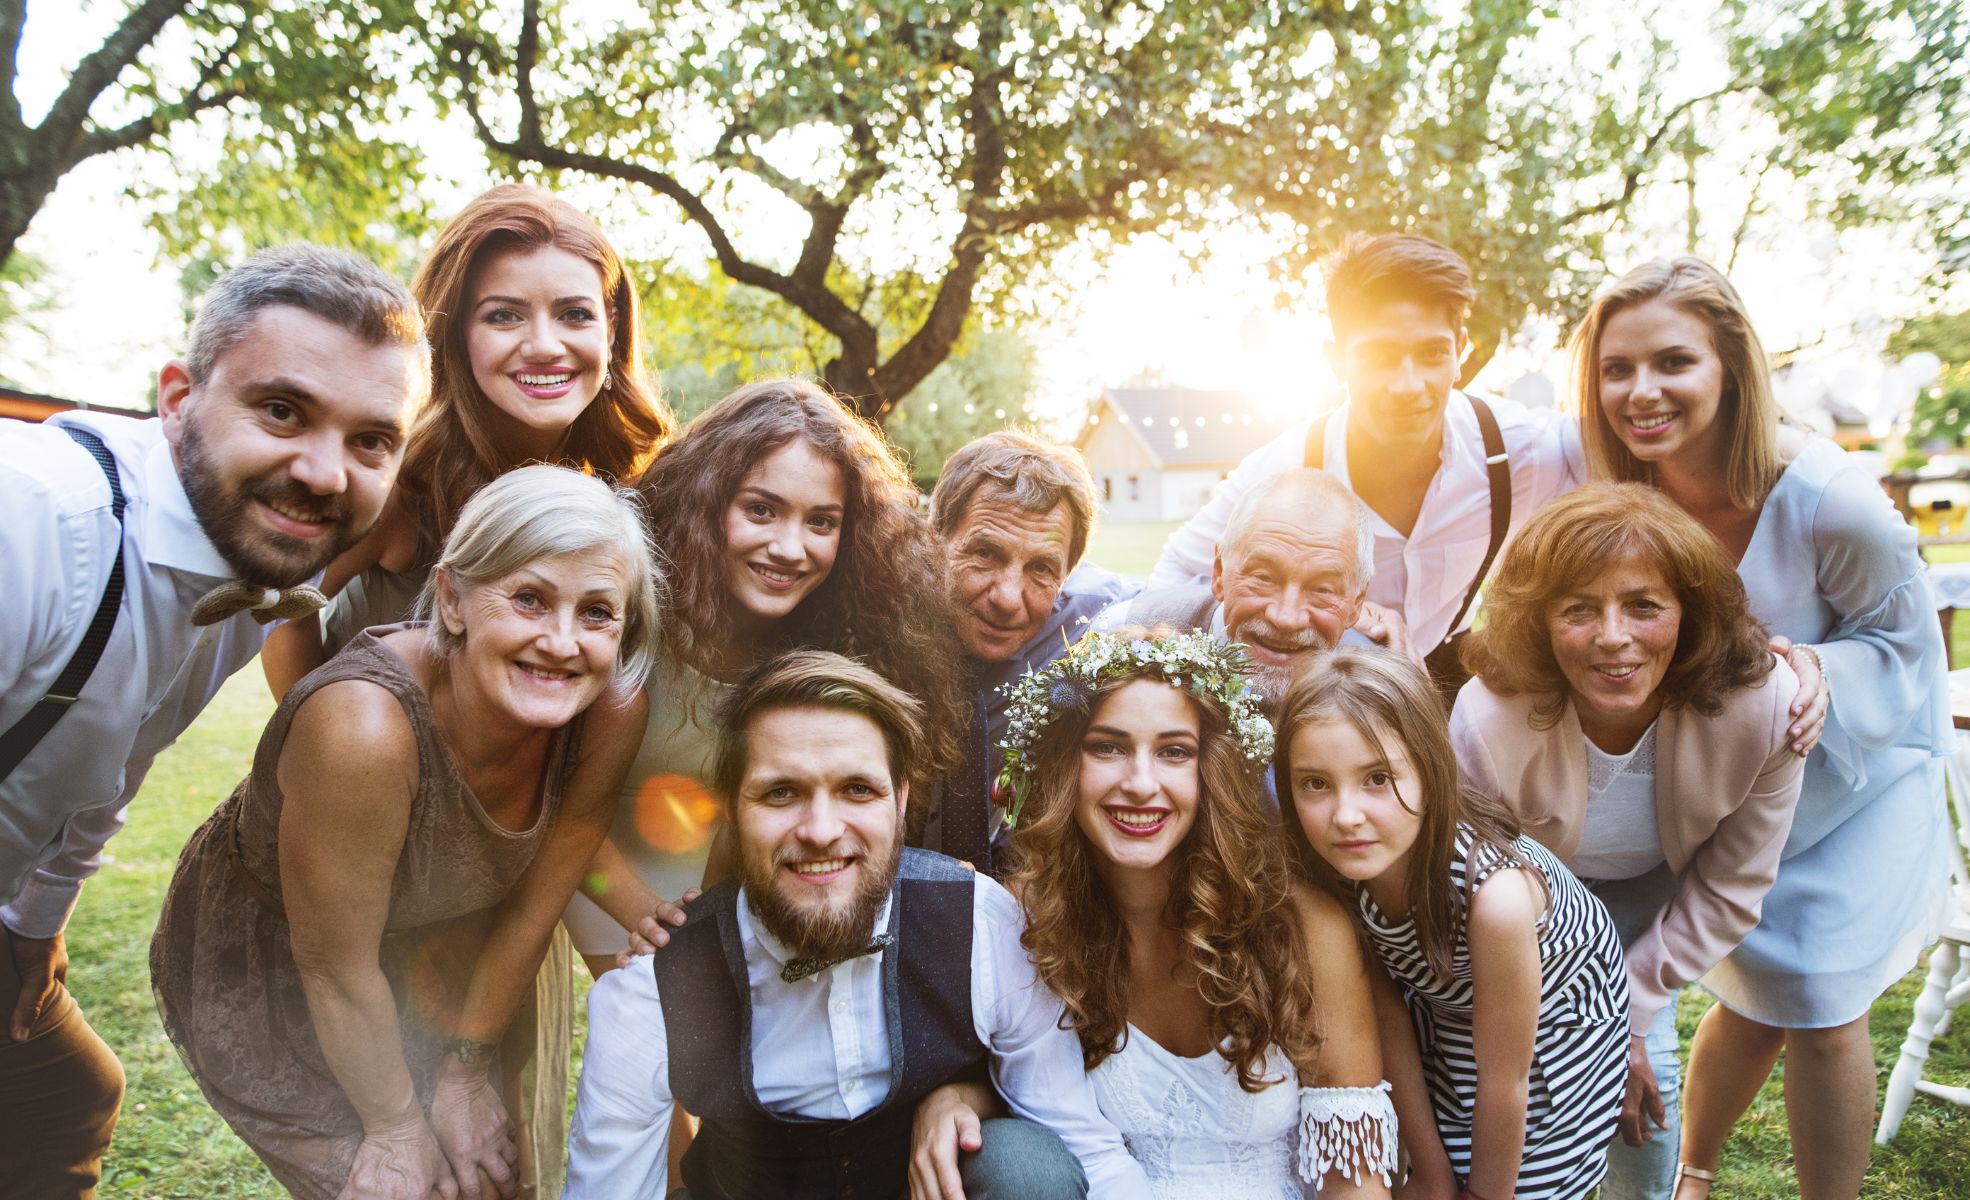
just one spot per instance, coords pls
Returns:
(1196, 662)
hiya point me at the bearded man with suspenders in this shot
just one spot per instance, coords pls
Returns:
(1446, 476)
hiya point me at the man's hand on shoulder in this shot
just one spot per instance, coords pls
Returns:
(1385, 627)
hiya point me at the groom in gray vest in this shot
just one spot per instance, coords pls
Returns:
(803, 1012)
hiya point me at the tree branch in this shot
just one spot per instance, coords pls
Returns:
(195, 100)
(810, 296)
(1631, 177)
(931, 344)
(102, 65)
(1750, 210)
(526, 55)
(13, 17)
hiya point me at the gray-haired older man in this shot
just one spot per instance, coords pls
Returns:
(1014, 513)
(1287, 578)
(162, 547)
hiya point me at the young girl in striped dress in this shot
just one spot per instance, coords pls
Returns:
(1515, 991)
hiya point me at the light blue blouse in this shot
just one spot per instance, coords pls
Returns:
(1864, 877)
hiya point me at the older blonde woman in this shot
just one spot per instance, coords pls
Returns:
(348, 935)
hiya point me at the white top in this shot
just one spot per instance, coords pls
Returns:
(1197, 1134)
(821, 1050)
(1619, 838)
(62, 803)
(1425, 575)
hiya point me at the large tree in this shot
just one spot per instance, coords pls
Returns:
(884, 170)
(302, 69)
(974, 137)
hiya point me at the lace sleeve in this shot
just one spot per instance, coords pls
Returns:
(1347, 1129)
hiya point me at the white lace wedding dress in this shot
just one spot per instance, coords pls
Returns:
(1199, 1136)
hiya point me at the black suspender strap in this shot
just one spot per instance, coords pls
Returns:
(1498, 470)
(37, 721)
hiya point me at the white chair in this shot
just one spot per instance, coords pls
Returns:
(1948, 985)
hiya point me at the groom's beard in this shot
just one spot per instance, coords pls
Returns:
(834, 927)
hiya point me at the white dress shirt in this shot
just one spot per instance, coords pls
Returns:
(62, 803)
(820, 1050)
(1423, 576)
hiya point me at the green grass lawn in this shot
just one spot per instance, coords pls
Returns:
(1129, 547)
(169, 1144)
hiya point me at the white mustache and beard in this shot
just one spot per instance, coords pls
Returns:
(1272, 678)
(834, 928)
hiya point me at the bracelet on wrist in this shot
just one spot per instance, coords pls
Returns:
(470, 1052)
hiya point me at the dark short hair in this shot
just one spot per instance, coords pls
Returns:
(341, 288)
(1035, 475)
(1366, 271)
(815, 679)
(1720, 646)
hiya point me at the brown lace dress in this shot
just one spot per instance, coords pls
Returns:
(223, 966)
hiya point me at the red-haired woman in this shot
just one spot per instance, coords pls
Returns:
(535, 357)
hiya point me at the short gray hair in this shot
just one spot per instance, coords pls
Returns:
(1302, 489)
(538, 512)
(1035, 475)
(339, 287)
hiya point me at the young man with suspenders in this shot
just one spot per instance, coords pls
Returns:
(1446, 476)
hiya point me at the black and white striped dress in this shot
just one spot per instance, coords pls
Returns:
(1580, 1049)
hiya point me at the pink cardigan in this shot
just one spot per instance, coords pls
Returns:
(1725, 790)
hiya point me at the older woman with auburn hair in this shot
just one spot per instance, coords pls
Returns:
(1674, 391)
(1627, 707)
(348, 935)
(535, 357)
(784, 522)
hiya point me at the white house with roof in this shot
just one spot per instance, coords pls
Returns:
(1156, 453)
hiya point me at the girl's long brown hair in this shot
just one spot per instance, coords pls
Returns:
(450, 453)
(1231, 901)
(882, 602)
(1384, 696)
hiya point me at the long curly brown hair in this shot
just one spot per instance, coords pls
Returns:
(451, 453)
(1231, 901)
(883, 601)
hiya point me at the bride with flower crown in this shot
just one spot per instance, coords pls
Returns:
(1222, 1005)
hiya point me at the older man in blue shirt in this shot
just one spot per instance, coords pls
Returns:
(1014, 513)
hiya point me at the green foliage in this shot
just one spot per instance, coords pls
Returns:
(23, 300)
(884, 172)
(304, 93)
(1942, 411)
(1945, 335)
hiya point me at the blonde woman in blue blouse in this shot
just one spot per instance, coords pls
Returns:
(1675, 392)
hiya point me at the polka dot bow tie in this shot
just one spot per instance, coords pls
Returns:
(265, 603)
(801, 968)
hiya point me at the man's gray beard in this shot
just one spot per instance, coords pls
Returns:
(1272, 679)
(833, 932)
